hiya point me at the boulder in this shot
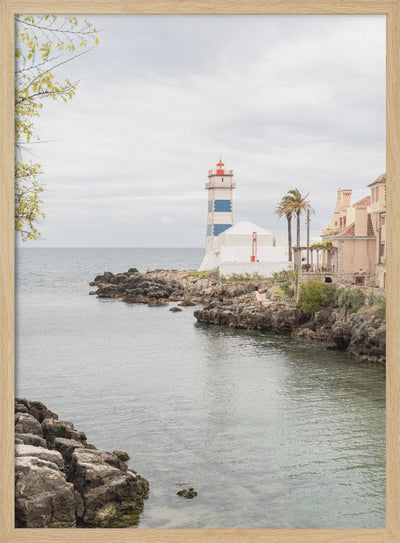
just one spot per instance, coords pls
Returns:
(31, 439)
(27, 424)
(37, 409)
(57, 428)
(189, 493)
(40, 452)
(113, 495)
(122, 455)
(61, 478)
(66, 447)
(43, 497)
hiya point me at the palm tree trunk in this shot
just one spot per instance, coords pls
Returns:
(298, 228)
(289, 224)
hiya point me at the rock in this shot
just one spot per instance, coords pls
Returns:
(43, 497)
(66, 447)
(156, 303)
(60, 478)
(27, 424)
(61, 428)
(113, 495)
(37, 409)
(189, 494)
(40, 452)
(187, 303)
(79, 505)
(31, 439)
(175, 309)
(56, 428)
(124, 456)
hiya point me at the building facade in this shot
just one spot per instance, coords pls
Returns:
(356, 252)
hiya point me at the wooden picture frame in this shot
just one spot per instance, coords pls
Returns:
(8, 8)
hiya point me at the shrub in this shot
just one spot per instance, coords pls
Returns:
(281, 291)
(284, 276)
(287, 289)
(381, 312)
(245, 277)
(315, 295)
(352, 299)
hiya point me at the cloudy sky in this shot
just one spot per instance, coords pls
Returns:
(288, 101)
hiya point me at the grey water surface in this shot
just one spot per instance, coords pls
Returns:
(272, 432)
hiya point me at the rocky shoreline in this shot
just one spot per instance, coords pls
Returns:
(61, 481)
(247, 304)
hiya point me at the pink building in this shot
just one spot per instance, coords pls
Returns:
(357, 234)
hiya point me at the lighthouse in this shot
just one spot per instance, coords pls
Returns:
(220, 187)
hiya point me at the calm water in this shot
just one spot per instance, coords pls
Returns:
(270, 431)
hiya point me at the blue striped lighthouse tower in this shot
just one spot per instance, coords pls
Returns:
(220, 187)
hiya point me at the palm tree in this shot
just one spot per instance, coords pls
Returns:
(300, 204)
(285, 208)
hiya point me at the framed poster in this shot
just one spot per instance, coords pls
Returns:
(199, 76)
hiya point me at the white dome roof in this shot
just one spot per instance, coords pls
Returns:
(245, 228)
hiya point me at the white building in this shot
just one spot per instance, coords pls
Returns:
(243, 248)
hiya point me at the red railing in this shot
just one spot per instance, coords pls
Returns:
(220, 172)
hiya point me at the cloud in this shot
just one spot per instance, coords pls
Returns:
(288, 101)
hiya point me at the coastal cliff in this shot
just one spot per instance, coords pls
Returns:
(259, 303)
(61, 481)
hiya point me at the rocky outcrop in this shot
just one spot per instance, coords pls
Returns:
(240, 304)
(161, 286)
(362, 336)
(61, 481)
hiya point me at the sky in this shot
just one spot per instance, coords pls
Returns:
(287, 101)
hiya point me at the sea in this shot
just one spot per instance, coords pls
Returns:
(271, 431)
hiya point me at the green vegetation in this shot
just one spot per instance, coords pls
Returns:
(122, 455)
(315, 295)
(281, 291)
(43, 43)
(284, 275)
(293, 204)
(204, 274)
(284, 284)
(351, 299)
(240, 277)
(375, 306)
(321, 245)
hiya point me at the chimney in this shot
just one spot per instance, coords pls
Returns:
(361, 215)
(339, 202)
(346, 198)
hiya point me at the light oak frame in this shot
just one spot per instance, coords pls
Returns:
(8, 9)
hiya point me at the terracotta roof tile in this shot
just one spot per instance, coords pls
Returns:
(380, 179)
(366, 201)
(350, 230)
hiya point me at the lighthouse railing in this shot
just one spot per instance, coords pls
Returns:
(210, 185)
(220, 172)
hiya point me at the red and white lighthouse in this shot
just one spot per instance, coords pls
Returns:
(220, 187)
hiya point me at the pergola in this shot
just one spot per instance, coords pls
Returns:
(318, 259)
